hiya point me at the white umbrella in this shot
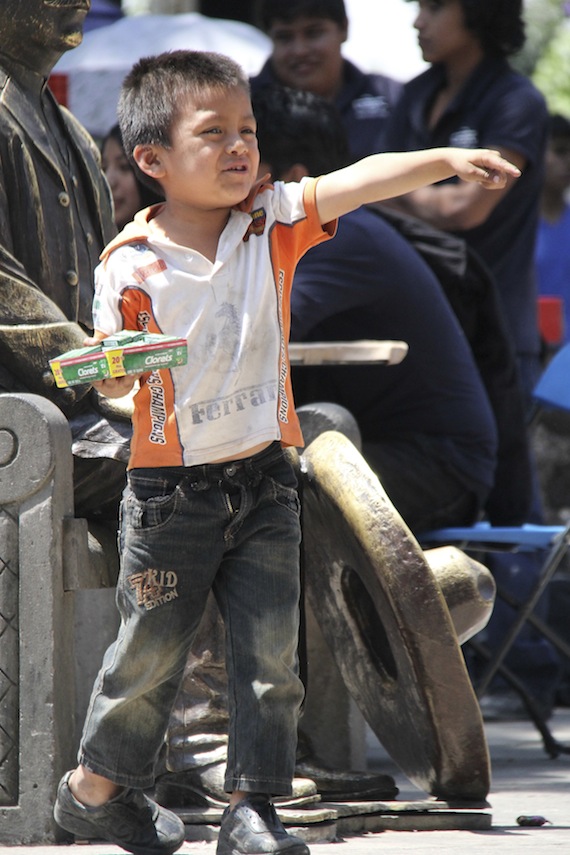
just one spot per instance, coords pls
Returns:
(95, 70)
(381, 37)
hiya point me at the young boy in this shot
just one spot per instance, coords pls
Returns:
(211, 498)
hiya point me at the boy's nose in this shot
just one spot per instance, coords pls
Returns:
(237, 146)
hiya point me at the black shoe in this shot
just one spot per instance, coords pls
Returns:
(130, 820)
(204, 786)
(253, 828)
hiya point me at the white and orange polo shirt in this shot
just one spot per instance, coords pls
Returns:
(235, 391)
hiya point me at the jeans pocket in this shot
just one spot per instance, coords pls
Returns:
(283, 483)
(153, 512)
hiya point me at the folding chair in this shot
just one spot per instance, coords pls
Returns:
(551, 542)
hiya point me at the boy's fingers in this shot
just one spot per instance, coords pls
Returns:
(497, 164)
(492, 170)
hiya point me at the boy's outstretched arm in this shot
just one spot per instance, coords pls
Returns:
(382, 176)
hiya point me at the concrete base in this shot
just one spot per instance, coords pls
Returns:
(328, 822)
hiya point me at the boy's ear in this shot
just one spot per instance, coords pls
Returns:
(147, 158)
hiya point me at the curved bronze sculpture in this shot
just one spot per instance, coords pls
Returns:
(388, 625)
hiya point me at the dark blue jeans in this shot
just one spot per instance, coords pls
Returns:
(233, 528)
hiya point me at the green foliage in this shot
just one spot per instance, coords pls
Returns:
(552, 72)
(543, 19)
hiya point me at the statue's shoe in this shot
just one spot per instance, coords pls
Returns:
(347, 786)
(205, 787)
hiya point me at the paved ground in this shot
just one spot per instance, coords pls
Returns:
(525, 782)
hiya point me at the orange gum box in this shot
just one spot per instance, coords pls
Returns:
(126, 352)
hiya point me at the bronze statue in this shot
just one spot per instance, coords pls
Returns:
(55, 217)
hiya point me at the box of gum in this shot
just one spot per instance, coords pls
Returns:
(126, 352)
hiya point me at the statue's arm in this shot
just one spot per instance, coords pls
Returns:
(32, 327)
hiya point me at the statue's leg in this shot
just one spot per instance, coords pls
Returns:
(195, 758)
(194, 763)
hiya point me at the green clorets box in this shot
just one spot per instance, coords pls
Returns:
(126, 352)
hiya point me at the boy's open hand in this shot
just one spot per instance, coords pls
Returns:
(484, 166)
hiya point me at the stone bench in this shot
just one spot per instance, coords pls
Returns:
(46, 557)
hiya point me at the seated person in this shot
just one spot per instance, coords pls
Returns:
(427, 427)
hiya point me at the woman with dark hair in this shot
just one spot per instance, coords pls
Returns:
(471, 96)
(129, 193)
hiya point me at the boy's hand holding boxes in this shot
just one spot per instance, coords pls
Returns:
(126, 352)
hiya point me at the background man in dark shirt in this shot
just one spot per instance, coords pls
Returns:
(427, 426)
(307, 37)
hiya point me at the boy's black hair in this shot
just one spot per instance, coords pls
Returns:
(299, 127)
(498, 24)
(156, 87)
(286, 11)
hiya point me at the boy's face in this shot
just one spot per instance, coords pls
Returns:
(214, 158)
(307, 54)
(442, 34)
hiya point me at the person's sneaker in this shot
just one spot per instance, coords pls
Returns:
(130, 820)
(253, 828)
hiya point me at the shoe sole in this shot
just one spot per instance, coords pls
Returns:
(295, 849)
(84, 831)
